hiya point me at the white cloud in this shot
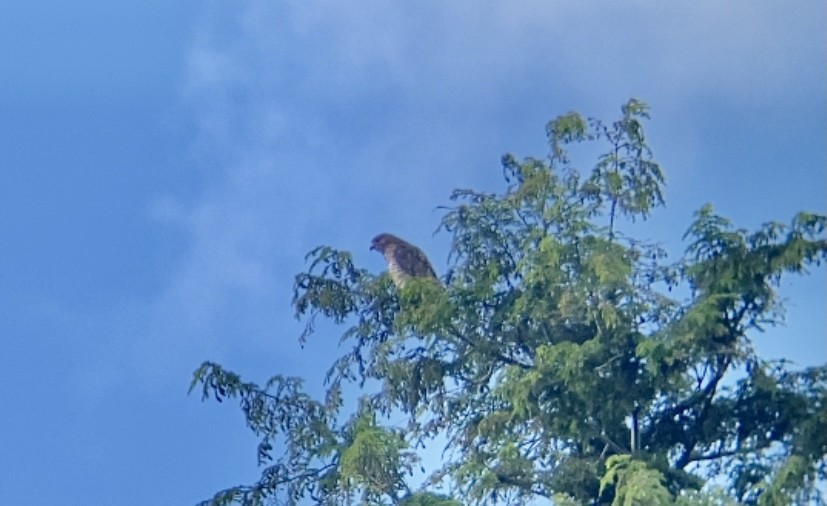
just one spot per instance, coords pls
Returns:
(743, 50)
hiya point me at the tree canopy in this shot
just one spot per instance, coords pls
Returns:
(564, 360)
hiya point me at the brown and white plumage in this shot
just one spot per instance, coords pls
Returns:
(404, 260)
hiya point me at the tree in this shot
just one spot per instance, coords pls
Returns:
(555, 362)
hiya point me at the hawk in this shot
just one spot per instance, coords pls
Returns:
(404, 259)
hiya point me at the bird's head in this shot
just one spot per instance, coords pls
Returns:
(381, 241)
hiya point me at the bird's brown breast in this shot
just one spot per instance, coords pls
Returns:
(396, 266)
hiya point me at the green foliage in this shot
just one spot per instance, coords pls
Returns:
(371, 461)
(554, 362)
(635, 483)
(429, 499)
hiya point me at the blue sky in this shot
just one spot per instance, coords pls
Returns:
(165, 166)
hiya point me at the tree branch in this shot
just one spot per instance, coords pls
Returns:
(697, 457)
(709, 394)
(505, 358)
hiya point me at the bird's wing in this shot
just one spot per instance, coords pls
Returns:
(413, 261)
